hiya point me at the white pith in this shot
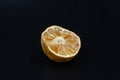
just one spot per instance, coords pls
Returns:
(58, 40)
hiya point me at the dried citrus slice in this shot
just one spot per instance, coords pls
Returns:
(60, 44)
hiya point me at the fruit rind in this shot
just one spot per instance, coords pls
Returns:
(51, 54)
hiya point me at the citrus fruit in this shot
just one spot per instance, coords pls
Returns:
(60, 44)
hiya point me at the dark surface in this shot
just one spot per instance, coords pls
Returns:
(96, 22)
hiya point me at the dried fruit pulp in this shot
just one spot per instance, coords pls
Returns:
(60, 44)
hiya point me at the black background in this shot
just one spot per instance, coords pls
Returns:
(96, 22)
